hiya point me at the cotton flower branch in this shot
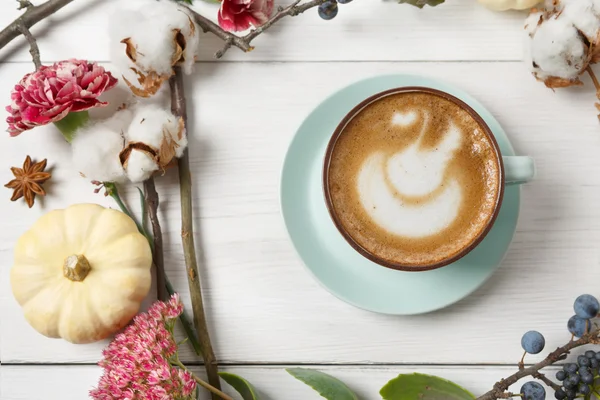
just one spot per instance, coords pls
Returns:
(178, 108)
(244, 42)
(30, 17)
(500, 388)
(151, 199)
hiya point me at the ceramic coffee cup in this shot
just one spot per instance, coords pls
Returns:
(413, 178)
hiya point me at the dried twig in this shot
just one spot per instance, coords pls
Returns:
(34, 50)
(178, 108)
(500, 388)
(244, 42)
(32, 16)
(151, 198)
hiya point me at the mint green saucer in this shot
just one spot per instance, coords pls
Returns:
(334, 263)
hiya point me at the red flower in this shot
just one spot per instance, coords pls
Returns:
(50, 93)
(239, 15)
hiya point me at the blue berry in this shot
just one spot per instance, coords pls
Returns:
(560, 394)
(598, 356)
(533, 342)
(583, 370)
(328, 10)
(570, 368)
(344, 1)
(533, 391)
(586, 306)
(561, 375)
(574, 379)
(571, 394)
(568, 384)
(594, 363)
(583, 361)
(590, 354)
(584, 389)
(578, 326)
(587, 378)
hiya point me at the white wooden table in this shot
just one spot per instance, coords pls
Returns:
(265, 311)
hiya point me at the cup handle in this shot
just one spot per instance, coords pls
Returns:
(518, 169)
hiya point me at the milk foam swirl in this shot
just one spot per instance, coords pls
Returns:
(408, 193)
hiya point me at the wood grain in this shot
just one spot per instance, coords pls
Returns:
(265, 307)
(364, 30)
(272, 383)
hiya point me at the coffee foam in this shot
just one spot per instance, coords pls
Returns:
(413, 179)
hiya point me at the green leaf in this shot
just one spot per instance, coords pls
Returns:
(242, 386)
(185, 1)
(423, 387)
(329, 387)
(422, 3)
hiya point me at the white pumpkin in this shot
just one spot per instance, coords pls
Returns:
(503, 5)
(81, 273)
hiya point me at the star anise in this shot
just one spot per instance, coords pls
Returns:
(28, 181)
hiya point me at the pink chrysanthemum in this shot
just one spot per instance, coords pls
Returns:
(136, 363)
(49, 94)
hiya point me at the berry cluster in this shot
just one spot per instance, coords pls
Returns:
(577, 379)
(329, 9)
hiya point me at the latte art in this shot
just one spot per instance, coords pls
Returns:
(383, 182)
(413, 179)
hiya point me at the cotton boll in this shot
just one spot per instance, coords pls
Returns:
(154, 137)
(140, 166)
(146, 43)
(557, 50)
(96, 148)
(584, 15)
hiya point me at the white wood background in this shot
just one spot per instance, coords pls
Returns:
(265, 311)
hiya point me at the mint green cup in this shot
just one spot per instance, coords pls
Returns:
(513, 170)
(335, 264)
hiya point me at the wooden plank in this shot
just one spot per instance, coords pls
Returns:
(262, 305)
(364, 30)
(72, 382)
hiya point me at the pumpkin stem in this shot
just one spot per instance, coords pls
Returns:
(76, 267)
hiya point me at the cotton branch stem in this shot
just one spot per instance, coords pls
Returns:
(590, 71)
(178, 108)
(30, 17)
(244, 42)
(151, 198)
(500, 388)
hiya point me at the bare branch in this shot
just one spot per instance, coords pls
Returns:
(34, 50)
(500, 388)
(24, 4)
(244, 42)
(32, 16)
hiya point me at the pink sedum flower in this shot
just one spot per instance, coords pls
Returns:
(239, 15)
(136, 363)
(49, 94)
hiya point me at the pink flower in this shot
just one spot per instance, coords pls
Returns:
(239, 15)
(50, 93)
(136, 363)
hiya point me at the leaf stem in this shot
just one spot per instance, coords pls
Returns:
(201, 382)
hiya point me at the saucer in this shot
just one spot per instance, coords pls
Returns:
(341, 269)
